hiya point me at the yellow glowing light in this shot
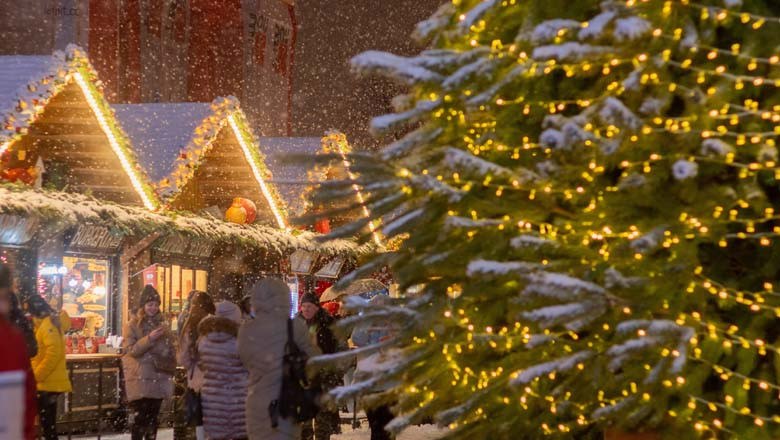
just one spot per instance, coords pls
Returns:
(359, 195)
(256, 171)
(127, 166)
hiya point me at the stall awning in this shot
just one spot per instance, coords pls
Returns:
(176, 249)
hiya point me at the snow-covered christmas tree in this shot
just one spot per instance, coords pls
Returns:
(590, 194)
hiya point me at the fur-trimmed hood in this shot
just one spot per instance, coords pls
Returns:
(218, 324)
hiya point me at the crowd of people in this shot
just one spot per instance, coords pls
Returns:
(231, 354)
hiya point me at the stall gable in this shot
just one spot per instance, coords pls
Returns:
(204, 159)
(335, 143)
(223, 174)
(65, 137)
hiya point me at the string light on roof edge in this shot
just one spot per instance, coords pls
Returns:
(258, 175)
(359, 195)
(148, 202)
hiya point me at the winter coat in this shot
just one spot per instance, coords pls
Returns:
(24, 325)
(51, 373)
(261, 346)
(188, 359)
(142, 378)
(322, 335)
(225, 379)
(14, 358)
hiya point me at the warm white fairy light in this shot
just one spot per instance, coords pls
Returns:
(127, 165)
(5, 146)
(256, 171)
(359, 194)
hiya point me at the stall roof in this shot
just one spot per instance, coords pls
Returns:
(65, 210)
(32, 84)
(160, 132)
(175, 140)
(290, 178)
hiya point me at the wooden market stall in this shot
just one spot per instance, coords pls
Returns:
(58, 137)
(206, 161)
(297, 180)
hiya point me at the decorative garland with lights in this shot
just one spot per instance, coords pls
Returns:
(589, 192)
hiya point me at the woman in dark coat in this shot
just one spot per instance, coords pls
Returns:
(201, 306)
(24, 325)
(319, 321)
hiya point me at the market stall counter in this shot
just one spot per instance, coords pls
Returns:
(97, 406)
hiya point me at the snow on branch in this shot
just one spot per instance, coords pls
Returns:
(434, 185)
(614, 112)
(436, 22)
(575, 315)
(546, 31)
(482, 67)
(548, 281)
(608, 410)
(631, 28)
(457, 221)
(570, 51)
(558, 366)
(531, 241)
(715, 147)
(476, 13)
(467, 162)
(403, 69)
(481, 268)
(385, 123)
(596, 25)
(488, 94)
(415, 139)
(649, 242)
(401, 223)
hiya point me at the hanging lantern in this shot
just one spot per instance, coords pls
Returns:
(322, 226)
(236, 213)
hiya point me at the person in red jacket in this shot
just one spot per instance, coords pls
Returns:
(13, 352)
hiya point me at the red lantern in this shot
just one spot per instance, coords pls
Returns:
(322, 226)
(249, 207)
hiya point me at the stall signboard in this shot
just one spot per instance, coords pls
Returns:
(331, 269)
(301, 261)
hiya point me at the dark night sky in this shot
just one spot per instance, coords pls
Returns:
(327, 94)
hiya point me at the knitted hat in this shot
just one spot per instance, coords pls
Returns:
(226, 309)
(38, 307)
(148, 295)
(310, 297)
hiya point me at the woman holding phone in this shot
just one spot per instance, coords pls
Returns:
(149, 363)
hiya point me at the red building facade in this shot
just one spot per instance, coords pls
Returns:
(171, 50)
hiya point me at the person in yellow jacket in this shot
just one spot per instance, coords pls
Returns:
(48, 365)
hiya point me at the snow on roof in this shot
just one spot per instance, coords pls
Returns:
(290, 179)
(160, 131)
(27, 80)
(16, 72)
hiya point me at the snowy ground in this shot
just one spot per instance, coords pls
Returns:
(426, 432)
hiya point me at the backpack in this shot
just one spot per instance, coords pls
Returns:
(298, 397)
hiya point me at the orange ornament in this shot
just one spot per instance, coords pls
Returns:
(236, 213)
